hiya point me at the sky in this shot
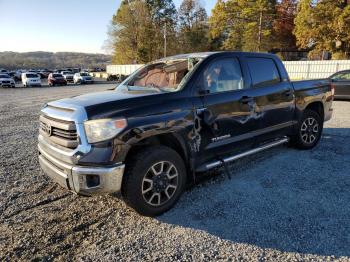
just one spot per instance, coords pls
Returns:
(64, 25)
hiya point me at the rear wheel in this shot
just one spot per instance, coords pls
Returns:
(154, 180)
(310, 129)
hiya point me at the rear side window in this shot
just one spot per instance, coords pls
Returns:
(263, 71)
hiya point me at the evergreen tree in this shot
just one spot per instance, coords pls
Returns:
(193, 27)
(131, 29)
(243, 24)
(163, 15)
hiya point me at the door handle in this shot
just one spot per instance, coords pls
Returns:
(200, 110)
(246, 99)
(288, 92)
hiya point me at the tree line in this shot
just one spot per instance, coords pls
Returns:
(49, 60)
(145, 30)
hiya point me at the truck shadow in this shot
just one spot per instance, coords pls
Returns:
(284, 199)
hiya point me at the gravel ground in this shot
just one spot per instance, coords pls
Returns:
(283, 204)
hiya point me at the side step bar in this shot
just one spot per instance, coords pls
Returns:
(218, 163)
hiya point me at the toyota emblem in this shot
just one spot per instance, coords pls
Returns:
(49, 130)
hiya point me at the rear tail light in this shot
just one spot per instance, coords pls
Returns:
(332, 89)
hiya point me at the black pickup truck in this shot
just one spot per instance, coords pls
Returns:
(174, 119)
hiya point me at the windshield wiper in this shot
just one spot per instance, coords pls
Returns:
(143, 88)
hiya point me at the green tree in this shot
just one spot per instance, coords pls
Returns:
(193, 28)
(243, 24)
(325, 26)
(220, 25)
(163, 15)
(130, 30)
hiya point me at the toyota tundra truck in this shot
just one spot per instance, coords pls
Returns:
(173, 120)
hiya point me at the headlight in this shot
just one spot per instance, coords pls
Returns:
(103, 129)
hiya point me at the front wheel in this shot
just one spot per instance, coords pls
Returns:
(154, 180)
(310, 129)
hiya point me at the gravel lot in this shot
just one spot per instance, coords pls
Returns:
(282, 204)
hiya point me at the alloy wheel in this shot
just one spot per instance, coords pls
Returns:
(309, 130)
(160, 183)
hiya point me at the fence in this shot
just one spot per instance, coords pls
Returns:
(295, 69)
(315, 69)
(122, 69)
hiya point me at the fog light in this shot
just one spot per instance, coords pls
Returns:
(92, 180)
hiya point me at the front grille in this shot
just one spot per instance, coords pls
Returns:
(5, 82)
(58, 131)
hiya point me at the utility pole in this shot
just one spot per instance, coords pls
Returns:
(165, 36)
(260, 30)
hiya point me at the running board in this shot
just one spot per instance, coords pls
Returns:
(218, 163)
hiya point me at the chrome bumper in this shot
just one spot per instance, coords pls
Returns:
(82, 180)
(61, 163)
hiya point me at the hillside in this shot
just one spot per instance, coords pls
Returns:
(35, 60)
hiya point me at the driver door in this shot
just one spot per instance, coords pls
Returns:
(227, 113)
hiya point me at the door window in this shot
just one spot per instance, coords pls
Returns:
(342, 76)
(222, 75)
(263, 71)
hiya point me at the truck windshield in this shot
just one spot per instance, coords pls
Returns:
(163, 76)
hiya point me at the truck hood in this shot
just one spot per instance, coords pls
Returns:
(107, 103)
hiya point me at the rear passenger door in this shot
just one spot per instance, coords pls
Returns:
(273, 95)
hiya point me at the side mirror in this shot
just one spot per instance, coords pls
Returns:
(203, 92)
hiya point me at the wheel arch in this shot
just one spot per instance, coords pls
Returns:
(317, 107)
(171, 140)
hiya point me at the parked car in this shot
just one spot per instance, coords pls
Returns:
(56, 79)
(341, 81)
(68, 75)
(31, 79)
(3, 71)
(12, 74)
(118, 77)
(6, 80)
(82, 78)
(18, 75)
(174, 119)
(45, 73)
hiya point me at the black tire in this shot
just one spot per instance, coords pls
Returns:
(309, 138)
(138, 169)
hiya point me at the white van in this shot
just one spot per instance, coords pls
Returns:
(31, 79)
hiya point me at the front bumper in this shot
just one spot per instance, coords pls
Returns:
(33, 83)
(7, 84)
(63, 81)
(82, 179)
(87, 81)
